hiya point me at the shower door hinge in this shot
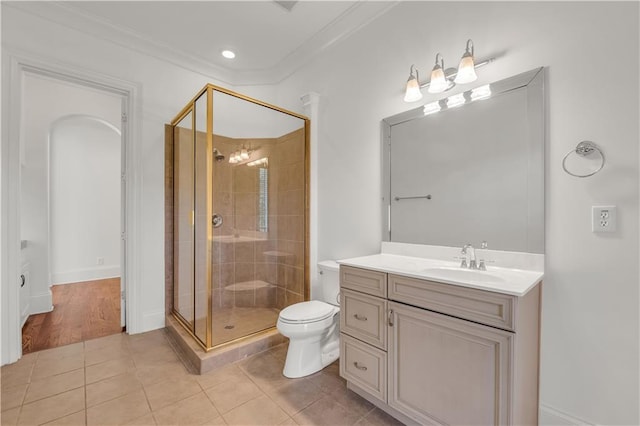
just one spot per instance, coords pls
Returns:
(123, 177)
(122, 295)
(124, 117)
(123, 235)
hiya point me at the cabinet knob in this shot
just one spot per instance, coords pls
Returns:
(359, 318)
(360, 367)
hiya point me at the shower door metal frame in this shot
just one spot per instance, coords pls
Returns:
(191, 107)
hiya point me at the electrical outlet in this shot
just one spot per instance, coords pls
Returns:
(604, 218)
(100, 261)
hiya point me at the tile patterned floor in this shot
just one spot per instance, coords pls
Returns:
(139, 380)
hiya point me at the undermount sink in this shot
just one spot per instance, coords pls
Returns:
(463, 275)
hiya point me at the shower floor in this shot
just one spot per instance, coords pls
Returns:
(232, 323)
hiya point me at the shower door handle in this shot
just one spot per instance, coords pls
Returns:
(216, 220)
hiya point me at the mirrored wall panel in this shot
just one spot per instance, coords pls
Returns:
(469, 168)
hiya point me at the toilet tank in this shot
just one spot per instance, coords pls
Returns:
(330, 281)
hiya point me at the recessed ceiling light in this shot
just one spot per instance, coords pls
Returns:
(228, 54)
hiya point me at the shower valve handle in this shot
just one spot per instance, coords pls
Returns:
(216, 220)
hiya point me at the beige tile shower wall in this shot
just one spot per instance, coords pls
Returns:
(277, 260)
(223, 253)
(287, 190)
(235, 192)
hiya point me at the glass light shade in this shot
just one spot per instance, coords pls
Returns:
(466, 70)
(413, 92)
(244, 154)
(438, 82)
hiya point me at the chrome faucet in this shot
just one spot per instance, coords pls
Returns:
(469, 261)
(469, 257)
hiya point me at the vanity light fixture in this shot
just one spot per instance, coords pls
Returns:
(413, 92)
(443, 79)
(466, 69)
(260, 162)
(479, 93)
(240, 155)
(244, 154)
(438, 83)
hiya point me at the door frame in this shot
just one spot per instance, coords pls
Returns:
(14, 67)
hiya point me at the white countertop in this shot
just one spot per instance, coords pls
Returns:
(516, 282)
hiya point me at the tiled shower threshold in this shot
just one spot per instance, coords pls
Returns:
(198, 361)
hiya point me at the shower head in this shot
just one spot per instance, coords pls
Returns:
(217, 155)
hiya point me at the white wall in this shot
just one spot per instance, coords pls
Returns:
(590, 307)
(164, 89)
(590, 324)
(85, 202)
(44, 102)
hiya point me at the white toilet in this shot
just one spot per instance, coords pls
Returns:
(313, 327)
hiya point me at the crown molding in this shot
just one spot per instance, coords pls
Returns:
(349, 22)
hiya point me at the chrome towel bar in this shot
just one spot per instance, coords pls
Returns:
(428, 197)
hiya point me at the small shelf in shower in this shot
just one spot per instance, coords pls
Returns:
(248, 285)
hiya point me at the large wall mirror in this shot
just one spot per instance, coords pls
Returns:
(468, 168)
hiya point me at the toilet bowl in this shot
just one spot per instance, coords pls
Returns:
(313, 327)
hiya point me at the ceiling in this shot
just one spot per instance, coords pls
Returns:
(271, 39)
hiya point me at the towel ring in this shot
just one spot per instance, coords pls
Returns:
(584, 149)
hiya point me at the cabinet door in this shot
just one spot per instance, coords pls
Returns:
(444, 370)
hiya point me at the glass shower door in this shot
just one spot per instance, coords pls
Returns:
(183, 230)
(202, 206)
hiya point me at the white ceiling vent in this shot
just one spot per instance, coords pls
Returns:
(286, 4)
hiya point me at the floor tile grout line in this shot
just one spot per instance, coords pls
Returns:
(86, 409)
(146, 397)
(266, 393)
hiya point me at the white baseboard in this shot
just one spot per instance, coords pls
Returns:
(152, 321)
(24, 315)
(549, 416)
(81, 275)
(40, 303)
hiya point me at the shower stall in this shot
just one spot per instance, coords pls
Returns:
(237, 221)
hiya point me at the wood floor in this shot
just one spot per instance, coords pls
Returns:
(81, 311)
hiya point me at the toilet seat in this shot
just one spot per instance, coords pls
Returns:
(305, 312)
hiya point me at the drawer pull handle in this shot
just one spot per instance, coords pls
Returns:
(360, 367)
(359, 318)
(390, 318)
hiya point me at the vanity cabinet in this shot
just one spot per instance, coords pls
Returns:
(440, 353)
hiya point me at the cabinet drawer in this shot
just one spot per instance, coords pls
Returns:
(370, 282)
(364, 365)
(485, 307)
(363, 317)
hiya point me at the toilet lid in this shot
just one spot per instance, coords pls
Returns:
(314, 310)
